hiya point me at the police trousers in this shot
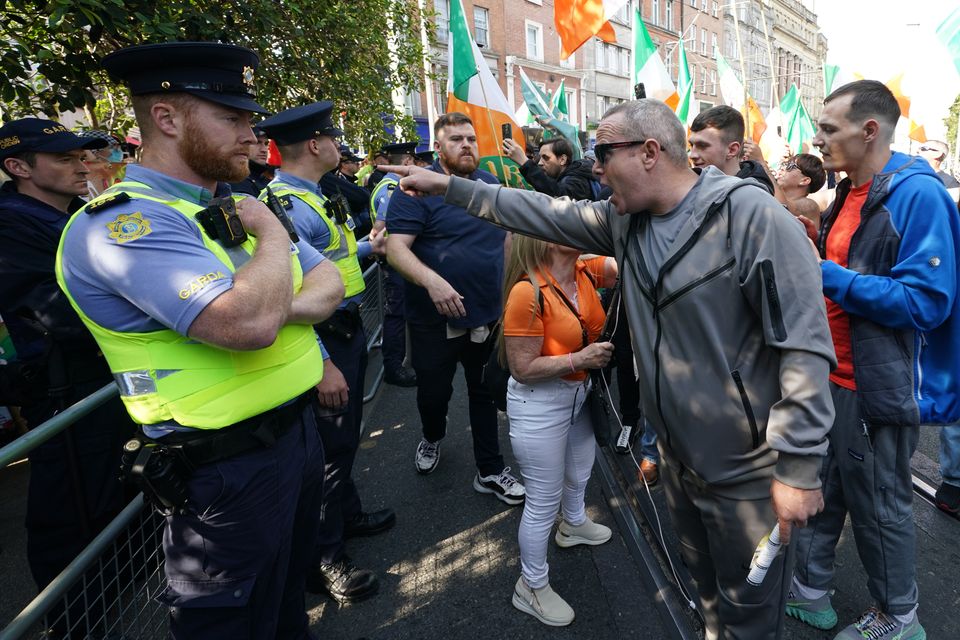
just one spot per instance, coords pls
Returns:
(340, 432)
(236, 561)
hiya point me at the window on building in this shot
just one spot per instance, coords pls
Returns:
(713, 82)
(412, 104)
(668, 20)
(715, 7)
(713, 48)
(703, 5)
(703, 41)
(481, 26)
(569, 63)
(442, 7)
(693, 76)
(703, 81)
(655, 12)
(624, 13)
(534, 32)
(601, 54)
(693, 38)
(624, 61)
(693, 3)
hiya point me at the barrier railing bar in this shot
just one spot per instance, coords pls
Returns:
(35, 437)
(34, 611)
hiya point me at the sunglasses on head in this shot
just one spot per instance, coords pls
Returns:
(926, 148)
(602, 151)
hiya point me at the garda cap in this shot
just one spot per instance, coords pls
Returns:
(37, 134)
(301, 123)
(220, 73)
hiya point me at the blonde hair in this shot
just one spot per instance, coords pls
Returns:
(527, 259)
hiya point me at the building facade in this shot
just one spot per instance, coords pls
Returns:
(778, 43)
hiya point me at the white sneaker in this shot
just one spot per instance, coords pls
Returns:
(543, 604)
(428, 456)
(587, 533)
(503, 485)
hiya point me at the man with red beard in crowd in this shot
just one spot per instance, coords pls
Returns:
(453, 265)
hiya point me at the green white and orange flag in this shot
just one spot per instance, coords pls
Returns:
(471, 89)
(648, 66)
(685, 90)
(579, 20)
(733, 93)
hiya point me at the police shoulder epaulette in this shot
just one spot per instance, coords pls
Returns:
(286, 202)
(106, 203)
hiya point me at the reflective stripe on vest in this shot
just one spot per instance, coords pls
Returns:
(383, 185)
(342, 248)
(165, 376)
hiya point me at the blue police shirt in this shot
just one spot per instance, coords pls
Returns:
(465, 251)
(308, 224)
(156, 273)
(382, 201)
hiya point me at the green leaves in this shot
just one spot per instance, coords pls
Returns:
(334, 50)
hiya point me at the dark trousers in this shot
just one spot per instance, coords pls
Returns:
(865, 475)
(718, 535)
(340, 432)
(236, 561)
(74, 492)
(435, 361)
(394, 322)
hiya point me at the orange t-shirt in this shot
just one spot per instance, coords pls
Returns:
(838, 249)
(561, 330)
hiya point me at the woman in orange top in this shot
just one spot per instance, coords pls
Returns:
(551, 319)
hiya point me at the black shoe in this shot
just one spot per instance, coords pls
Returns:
(627, 438)
(343, 581)
(400, 377)
(948, 499)
(369, 524)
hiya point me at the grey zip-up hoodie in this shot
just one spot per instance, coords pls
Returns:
(731, 337)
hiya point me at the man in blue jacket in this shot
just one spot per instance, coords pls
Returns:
(888, 248)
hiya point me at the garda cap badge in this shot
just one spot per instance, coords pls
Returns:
(129, 227)
(248, 76)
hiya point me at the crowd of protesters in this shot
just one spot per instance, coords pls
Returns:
(777, 360)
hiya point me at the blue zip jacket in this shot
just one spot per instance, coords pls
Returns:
(900, 290)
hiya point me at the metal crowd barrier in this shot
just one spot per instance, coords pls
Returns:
(123, 565)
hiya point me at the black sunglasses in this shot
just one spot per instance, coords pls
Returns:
(790, 166)
(603, 151)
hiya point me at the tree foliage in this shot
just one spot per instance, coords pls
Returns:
(333, 50)
(951, 121)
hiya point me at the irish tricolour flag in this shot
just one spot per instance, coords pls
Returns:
(471, 89)
(648, 66)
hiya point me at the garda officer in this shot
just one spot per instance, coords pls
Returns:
(218, 363)
(394, 322)
(306, 137)
(74, 491)
(260, 171)
(335, 182)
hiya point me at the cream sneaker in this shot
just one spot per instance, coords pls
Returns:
(543, 604)
(587, 533)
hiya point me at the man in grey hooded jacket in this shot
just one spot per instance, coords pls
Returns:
(730, 333)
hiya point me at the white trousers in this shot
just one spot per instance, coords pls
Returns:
(553, 442)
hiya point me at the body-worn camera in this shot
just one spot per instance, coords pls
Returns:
(161, 472)
(338, 209)
(221, 222)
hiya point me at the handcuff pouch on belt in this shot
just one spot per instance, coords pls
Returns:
(344, 323)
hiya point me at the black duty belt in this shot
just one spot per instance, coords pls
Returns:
(260, 431)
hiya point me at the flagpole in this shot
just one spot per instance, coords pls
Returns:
(427, 80)
(774, 92)
(743, 72)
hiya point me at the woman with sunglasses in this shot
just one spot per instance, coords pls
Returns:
(551, 319)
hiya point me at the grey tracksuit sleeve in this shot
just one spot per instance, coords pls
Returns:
(781, 279)
(584, 225)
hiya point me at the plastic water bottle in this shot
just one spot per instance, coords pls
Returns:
(763, 557)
